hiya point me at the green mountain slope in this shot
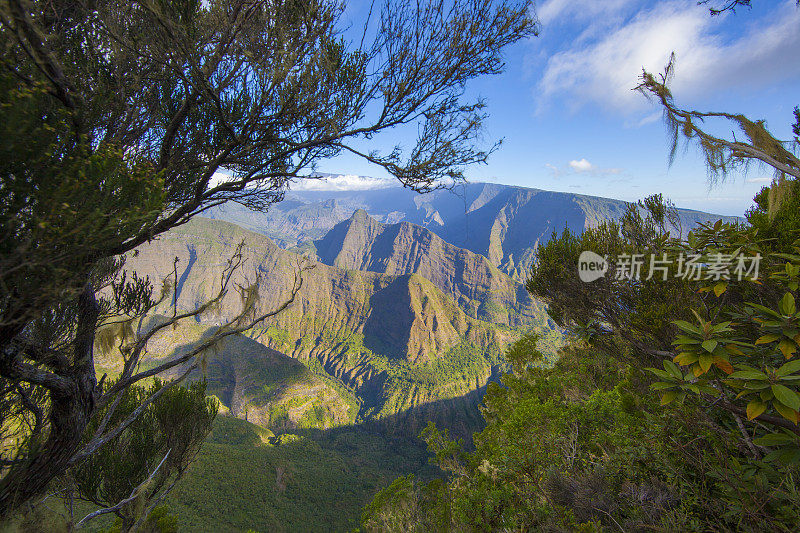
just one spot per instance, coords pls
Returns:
(392, 342)
(307, 482)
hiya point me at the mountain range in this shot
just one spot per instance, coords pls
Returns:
(411, 301)
(384, 340)
(503, 223)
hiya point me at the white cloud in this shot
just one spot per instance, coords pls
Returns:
(341, 182)
(606, 68)
(553, 11)
(581, 166)
(554, 170)
(759, 180)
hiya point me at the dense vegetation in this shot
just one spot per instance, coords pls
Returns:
(675, 406)
(312, 480)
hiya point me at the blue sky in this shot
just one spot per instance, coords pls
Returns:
(571, 122)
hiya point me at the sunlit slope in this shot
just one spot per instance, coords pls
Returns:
(393, 341)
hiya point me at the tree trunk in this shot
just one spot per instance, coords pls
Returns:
(70, 411)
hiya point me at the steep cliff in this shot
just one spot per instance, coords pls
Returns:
(477, 286)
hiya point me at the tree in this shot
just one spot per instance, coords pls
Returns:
(723, 154)
(116, 118)
(583, 445)
(674, 405)
(136, 471)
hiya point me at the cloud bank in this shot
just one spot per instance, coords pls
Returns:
(603, 67)
(341, 182)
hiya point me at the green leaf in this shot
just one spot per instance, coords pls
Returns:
(787, 305)
(668, 397)
(673, 369)
(755, 408)
(786, 396)
(774, 439)
(765, 310)
(661, 385)
(708, 389)
(720, 288)
(709, 345)
(786, 412)
(685, 358)
(705, 361)
(687, 327)
(722, 326)
(788, 368)
(787, 348)
(740, 343)
(770, 337)
(660, 373)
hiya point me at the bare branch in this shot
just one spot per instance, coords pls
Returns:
(95, 443)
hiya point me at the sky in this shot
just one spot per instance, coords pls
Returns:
(571, 122)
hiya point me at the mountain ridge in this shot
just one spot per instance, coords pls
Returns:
(505, 223)
(362, 243)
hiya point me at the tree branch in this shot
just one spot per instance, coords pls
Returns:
(134, 494)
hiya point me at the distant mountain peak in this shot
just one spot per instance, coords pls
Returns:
(407, 249)
(359, 215)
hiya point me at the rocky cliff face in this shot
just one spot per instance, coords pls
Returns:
(391, 341)
(477, 286)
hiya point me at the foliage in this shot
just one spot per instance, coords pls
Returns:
(796, 125)
(584, 445)
(750, 336)
(159, 521)
(722, 155)
(778, 228)
(311, 480)
(143, 463)
(581, 447)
